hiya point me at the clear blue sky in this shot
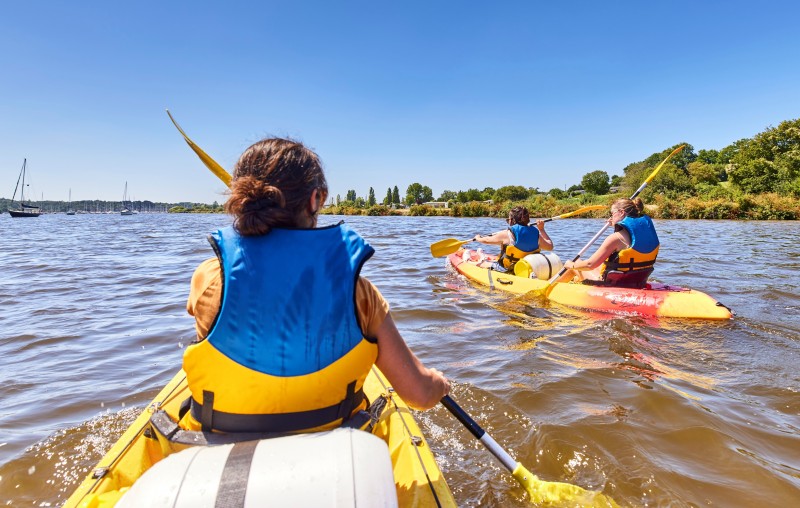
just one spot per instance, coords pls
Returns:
(450, 94)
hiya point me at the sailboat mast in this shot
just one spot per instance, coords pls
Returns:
(22, 193)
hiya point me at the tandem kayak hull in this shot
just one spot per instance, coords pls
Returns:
(658, 300)
(418, 481)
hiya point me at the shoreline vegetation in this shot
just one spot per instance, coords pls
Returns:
(754, 178)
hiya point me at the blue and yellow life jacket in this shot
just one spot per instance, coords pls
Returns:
(286, 352)
(640, 256)
(526, 241)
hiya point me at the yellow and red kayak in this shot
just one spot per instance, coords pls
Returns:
(299, 470)
(655, 299)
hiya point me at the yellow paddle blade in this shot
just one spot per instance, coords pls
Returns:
(559, 494)
(658, 168)
(447, 246)
(210, 163)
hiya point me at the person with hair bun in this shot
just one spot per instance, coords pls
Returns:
(287, 329)
(518, 240)
(627, 256)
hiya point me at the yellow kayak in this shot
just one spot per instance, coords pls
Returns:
(660, 300)
(141, 470)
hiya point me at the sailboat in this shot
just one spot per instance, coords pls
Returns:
(125, 203)
(70, 211)
(23, 209)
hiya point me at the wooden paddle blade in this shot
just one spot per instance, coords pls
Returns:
(447, 246)
(210, 163)
(557, 493)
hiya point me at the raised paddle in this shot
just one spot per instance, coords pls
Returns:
(540, 491)
(208, 161)
(552, 282)
(451, 245)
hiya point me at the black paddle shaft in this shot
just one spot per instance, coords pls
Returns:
(462, 416)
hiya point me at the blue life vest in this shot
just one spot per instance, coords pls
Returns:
(286, 352)
(643, 251)
(526, 241)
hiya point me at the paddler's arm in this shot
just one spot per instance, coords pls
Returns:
(613, 243)
(545, 243)
(420, 387)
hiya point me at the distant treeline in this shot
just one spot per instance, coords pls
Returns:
(752, 178)
(98, 206)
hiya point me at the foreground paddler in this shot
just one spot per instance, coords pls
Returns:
(540, 492)
(287, 329)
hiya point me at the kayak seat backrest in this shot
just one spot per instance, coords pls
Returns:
(340, 467)
(636, 279)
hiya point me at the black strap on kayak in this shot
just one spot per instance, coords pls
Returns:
(207, 411)
(210, 418)
(233, 484)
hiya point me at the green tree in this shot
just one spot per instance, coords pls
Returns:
(486, 194)
(395, 196)
(707, 156)
(510, 193)
(351, 196)
(470, 195)
(448, 196)
(338, 199)
(702, 172)
(557, 193)
(418, 194)
(388, 199)
(770, 161)
(596, 182)
(371, 197)
(616, 181)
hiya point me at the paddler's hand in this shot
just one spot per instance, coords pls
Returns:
(441, 381)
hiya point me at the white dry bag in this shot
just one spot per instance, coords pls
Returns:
(542, 265)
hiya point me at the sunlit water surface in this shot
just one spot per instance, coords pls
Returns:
(653, 413)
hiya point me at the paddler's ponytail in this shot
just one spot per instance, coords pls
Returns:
(272, 184)
(632, 208)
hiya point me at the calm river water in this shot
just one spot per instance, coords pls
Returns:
(654, 413)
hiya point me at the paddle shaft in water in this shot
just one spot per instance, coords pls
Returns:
(479, 433)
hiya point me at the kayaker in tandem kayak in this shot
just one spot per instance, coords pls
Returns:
(518, 240)
(287, 329)
(627, 256)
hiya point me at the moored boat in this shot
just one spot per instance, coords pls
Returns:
(153, 461)
(660, 300)
(23, 209)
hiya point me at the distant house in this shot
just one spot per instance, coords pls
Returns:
(436, 204)
(613, 190)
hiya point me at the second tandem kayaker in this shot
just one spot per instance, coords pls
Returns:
(627, 256)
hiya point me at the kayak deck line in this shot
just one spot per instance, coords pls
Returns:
(656, 299)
